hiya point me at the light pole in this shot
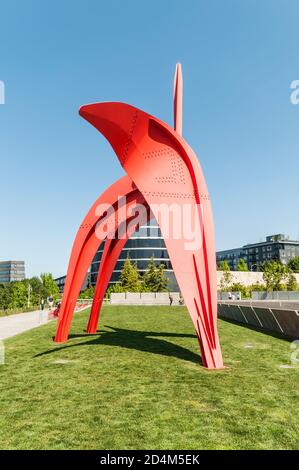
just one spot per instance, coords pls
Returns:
(28, 299)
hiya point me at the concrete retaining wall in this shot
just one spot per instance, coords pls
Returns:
(144, 298)
(246, 278)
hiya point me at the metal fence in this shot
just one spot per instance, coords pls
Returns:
(275, 295)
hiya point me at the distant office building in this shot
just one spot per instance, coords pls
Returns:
(12, 271)
(231, 256)
(275, 247)
(144, 244)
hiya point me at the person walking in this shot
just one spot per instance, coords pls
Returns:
(50, 302)
(170, 299)
(42, 307)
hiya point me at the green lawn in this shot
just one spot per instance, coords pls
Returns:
(138, 384)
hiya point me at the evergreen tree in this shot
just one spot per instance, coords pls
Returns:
(242, 265)
(224, 266)
(154, 279)
(129, 277)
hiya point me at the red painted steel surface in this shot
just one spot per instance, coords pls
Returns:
(111, 253)
(165, 171)
(178, 100)
(87, 242)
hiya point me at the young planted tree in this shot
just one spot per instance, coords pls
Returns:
(242, 265)
(293, 264)
(227, 276)
(292, 284)
(130, 278)
(154, 279)
(275, 274)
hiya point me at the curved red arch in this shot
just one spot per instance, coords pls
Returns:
(87, 242)
(149, 151)
(111, 253)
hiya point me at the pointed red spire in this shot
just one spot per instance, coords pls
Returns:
(178, 99)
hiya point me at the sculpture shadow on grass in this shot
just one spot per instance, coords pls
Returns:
(145, 341)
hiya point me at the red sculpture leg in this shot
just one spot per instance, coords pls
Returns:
(101, 287)
(87, 242)
(165, 170)
(110, 255)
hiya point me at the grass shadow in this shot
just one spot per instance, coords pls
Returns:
(145, 341)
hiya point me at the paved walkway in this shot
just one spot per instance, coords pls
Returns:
(14, 324)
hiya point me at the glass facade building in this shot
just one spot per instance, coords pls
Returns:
(11, 271)
(144, 244)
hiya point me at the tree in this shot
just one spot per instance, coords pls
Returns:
(293, 264)
(162, 284)
(224, 266)
(5, 296)
(238, 287)
(14, 295)
(114, 288)
(242, 265)
(51, 288)
(258, 287)
(154, 278)
(292, 284)
(275, 273)
(130, 278)
(227, 276)
(19, 296)
(38, 290)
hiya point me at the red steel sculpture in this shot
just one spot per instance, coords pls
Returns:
(162, 173)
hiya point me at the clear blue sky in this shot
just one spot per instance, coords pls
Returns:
(239, 58)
